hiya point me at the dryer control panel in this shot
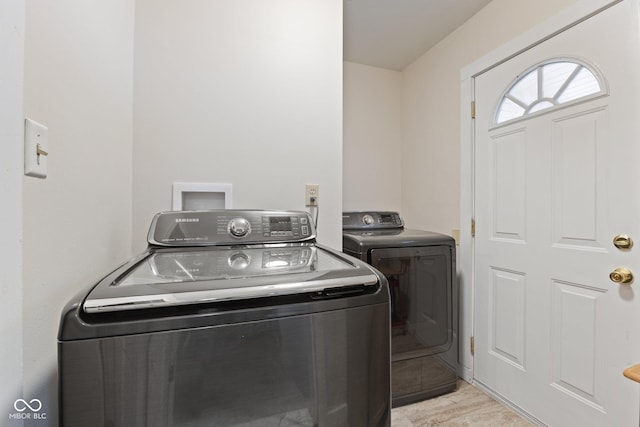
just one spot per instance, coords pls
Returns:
(365, 220)
(230, 227)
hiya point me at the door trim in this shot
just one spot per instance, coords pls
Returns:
(568, 18)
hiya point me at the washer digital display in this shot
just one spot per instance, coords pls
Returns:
(280, 223)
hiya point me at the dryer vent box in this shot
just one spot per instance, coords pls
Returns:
(195, 196)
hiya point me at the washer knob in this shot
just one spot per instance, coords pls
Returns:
(368, 219)
(239, 227)
(239, 261)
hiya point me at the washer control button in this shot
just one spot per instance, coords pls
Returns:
(368, 219)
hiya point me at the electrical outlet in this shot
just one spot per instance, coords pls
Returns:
(311, 194)
(455, 233)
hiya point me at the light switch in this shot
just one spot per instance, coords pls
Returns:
(36, 146)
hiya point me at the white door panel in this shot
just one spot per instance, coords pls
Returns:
(552, 332)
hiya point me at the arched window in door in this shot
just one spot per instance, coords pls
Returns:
(549, 85)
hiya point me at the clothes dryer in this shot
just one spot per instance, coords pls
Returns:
(420, 268)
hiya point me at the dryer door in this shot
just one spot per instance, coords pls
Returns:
(420, 282)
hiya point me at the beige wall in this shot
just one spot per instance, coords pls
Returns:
(244, 92)
(372, 166)
(77, 221)
(431, 108)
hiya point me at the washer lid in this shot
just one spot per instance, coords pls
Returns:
(170, 277)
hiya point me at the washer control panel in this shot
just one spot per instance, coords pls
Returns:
(229, 227)
(371, 220)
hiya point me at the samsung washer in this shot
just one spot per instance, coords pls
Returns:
(230, 318)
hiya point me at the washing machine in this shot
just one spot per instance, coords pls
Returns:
(420, 268)
(229, 318)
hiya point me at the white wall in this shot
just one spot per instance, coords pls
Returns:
(11, 128)
(247, 92)
(402, 130)
(77, 221)
(372, 168)
(431, 108)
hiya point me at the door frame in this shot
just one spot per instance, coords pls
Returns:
(572, 15)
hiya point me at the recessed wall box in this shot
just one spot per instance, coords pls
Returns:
(195, 196)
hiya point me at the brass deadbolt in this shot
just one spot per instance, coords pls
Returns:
(621, 275)
(623, 241)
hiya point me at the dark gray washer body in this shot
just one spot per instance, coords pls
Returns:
(306, 359)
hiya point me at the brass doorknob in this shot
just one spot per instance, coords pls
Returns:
(621, 275)
(623, 241)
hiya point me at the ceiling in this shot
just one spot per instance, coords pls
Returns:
(392, 34)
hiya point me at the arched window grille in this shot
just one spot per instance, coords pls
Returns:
(547, 86)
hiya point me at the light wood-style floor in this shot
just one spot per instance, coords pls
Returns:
(467, 406)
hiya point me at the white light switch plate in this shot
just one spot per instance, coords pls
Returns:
(35, 164)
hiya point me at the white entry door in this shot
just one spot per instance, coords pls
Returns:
(557, 177)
